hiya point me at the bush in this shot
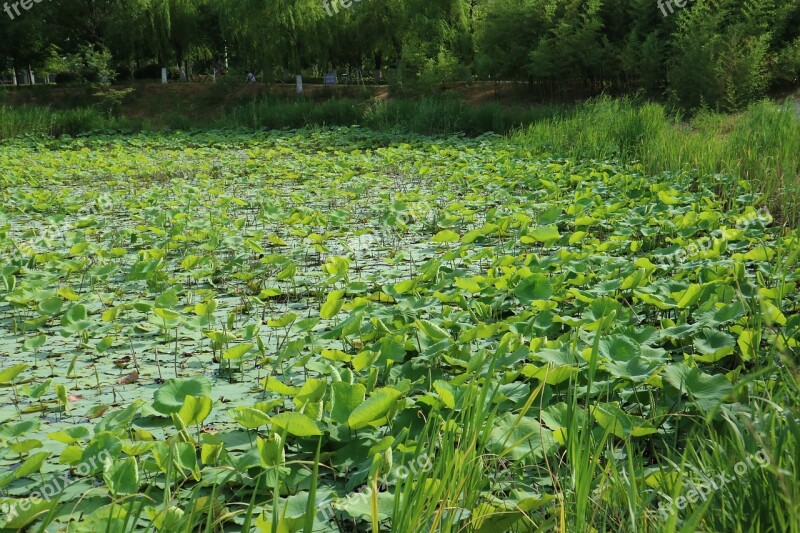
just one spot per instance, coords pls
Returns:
(91, 65)
(718, 64)
(788, 66)
(110, 101)
(692, 73)
(742, 72)
(443, 68)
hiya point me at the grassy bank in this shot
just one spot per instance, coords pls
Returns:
(758, 146)
(35, 120)
(425, 116)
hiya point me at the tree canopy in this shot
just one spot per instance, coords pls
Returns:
(720, 53)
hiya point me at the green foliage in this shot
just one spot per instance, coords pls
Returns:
(756, 146)
(309, 328)
(445, 67)
(277, 113)
(110, 101)
(718, 66)
(723, 54)
(92, 65)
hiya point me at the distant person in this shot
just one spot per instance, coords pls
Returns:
(250, 78)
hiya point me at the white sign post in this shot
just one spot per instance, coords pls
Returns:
(163, 75)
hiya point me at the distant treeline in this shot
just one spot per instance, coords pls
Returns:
(719, 53)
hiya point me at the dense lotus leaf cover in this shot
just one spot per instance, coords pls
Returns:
(199, 310)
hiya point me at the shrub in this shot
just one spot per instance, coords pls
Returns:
(110, 101)
(92, 65)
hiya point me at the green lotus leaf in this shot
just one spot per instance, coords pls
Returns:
(170, 397)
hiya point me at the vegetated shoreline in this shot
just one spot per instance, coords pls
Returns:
(757, 145)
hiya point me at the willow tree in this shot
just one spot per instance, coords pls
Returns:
(279, 33)
(130, 34)
(177, 30)
(380, 31)
(509, 36)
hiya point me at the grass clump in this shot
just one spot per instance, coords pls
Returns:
(426, 115)
(278, 113)
(758, 146)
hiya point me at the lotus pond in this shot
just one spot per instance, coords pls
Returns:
(337, 330)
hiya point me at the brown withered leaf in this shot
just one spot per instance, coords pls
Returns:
(133, 377)
(122, 362)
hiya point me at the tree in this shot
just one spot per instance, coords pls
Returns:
(24, 44)
(277, 33)
(511, 31)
